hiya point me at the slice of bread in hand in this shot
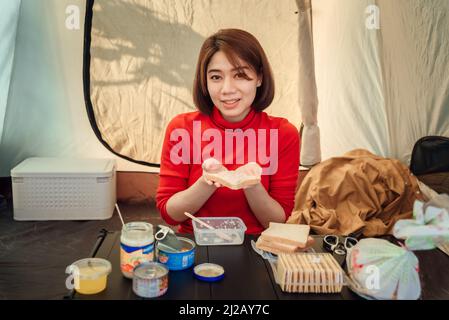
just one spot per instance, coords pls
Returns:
(290, 234)
(237, 179)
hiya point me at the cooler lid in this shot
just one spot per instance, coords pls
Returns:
(64, 167)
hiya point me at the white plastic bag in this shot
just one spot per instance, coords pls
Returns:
(429, 226)
(380, 270)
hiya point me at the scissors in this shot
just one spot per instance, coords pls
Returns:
(333, 244)
(339, 249)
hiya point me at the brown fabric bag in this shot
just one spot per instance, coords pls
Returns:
(358, 192)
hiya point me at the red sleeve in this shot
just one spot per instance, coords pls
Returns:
(173, 177)
(283, 182)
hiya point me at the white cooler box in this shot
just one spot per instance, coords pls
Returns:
(64, 189)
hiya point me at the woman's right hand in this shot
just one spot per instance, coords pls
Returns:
(194, 197)
(212, 165)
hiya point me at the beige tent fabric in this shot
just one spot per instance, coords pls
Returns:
(381, 89)
(143, 59)
(308, 100)
(349, 79)
(356, 192)
(415, 60)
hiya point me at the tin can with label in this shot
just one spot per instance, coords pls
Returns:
(150, 280)
(136, 246)
(180, 260)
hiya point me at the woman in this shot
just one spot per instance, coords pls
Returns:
(233, 84)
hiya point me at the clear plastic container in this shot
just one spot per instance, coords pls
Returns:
(228, 231)
(91, 275)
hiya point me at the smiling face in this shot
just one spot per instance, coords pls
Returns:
(232, 89)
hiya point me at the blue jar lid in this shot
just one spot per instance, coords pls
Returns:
(209, 272)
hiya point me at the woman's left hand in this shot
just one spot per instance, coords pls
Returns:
(251, 169)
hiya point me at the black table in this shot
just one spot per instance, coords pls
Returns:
(247, 275)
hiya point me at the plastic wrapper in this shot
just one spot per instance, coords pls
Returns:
(378, 269)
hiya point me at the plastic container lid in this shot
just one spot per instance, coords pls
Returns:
(221, 223)
(150, 270)
(56, 167)
(227, 231)
(92, 268)
(209, 272)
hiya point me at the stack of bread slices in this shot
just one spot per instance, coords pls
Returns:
(285, 238)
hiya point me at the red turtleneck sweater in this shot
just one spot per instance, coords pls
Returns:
(224, 202)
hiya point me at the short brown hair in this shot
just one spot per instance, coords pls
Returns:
(233, 43)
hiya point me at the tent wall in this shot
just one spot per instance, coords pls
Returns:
(414, 50)
(46, 113)
(144, 55)
(8, 27)
(381, 89)
(377, 89)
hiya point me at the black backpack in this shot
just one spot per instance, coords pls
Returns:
(430, 155)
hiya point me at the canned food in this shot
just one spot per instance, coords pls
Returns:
(183, 259)
(150, 279)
